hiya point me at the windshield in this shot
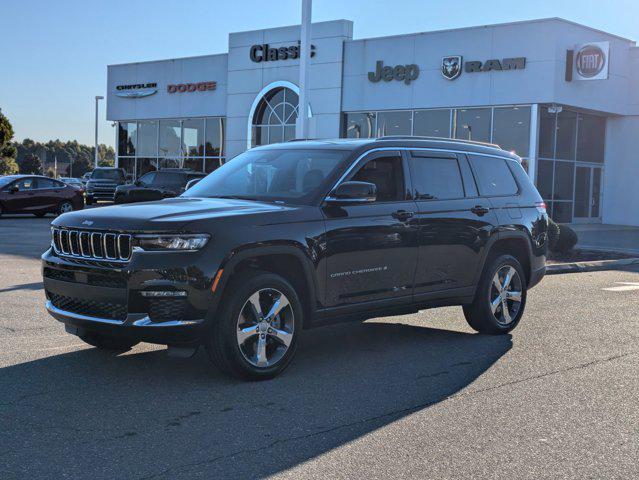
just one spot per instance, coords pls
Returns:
(114, 174)
(290, 176)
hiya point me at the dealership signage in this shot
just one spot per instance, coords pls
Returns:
(400, 73)
(191, 87)
(452, 65)
(591, 61)
(136, 90)
(266, 53)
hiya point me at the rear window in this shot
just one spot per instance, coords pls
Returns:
(493, 176)
(436, 178)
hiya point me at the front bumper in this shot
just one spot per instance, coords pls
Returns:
(108, 298)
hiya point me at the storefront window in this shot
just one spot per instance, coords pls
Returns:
(473, 124)
(214, 137)
(211, 164)
(127, 138)
(511, 129)
(196, 164)
(590, 138)
(564, 176)
(145, 165)
(147, 138)
(394, 123)
(359, 125)
(566, 134)
(547, 124)
(193, 135)
(562, 212)
(128, 164)
(275, 117)
(170, 163)
(545, 178)
(170, 140)
(431, 123)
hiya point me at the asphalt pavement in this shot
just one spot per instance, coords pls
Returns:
(416, 396)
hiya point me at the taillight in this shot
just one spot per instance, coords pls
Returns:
(541, 207)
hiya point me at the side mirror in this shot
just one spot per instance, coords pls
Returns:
(348, 193)
(190, 183)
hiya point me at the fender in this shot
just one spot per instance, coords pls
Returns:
(233, 259)
(500, 234)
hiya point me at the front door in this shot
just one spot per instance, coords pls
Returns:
(24, 199)
(370, 248)
(587, 194)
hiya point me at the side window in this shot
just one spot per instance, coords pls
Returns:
(147, 179)
(387, 173)
(46, 183)
(436, 178)
(26, 184)
(493, 176)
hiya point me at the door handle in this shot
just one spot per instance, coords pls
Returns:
(480, 210)
(402, 215)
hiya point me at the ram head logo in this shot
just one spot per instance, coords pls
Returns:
(451, 67)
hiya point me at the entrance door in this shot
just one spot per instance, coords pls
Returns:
(587, 194)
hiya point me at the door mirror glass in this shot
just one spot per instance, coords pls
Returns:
(353, 192)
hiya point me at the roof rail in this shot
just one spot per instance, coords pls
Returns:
(440, 139)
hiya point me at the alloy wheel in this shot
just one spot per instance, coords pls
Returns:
(265, 327)
(505, 295)
(66, 207)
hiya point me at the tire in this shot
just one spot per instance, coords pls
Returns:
(65, 207)
(492, 312)
(237, 315)
(106, 342)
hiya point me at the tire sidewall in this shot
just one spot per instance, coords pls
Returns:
(234, 301)
(498, 263)
(60, 212)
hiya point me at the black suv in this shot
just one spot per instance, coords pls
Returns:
(103, 182)
(156, 185)
(297, 235)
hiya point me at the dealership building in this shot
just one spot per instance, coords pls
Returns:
(563, 96)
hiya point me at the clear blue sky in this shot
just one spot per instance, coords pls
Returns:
(54, 52)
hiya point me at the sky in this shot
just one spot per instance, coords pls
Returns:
(54, 53)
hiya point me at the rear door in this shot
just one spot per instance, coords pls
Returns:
(48, 193)
(24, 200)
(370, 248)
(454, 222)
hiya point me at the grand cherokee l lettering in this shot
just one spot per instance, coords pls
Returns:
(297, 235)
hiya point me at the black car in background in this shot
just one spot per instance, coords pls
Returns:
(297, 235)
(38, 195)
(103, 182)
(164, 183)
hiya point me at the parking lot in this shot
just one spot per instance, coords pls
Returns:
(414, 396)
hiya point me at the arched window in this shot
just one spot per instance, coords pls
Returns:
(274, 116)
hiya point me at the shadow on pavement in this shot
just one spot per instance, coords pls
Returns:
(24, 286)
(139, 415)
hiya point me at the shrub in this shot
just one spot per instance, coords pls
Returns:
(561, 238)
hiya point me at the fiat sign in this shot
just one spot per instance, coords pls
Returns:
(591, 61)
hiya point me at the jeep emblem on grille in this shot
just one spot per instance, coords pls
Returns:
(88, 222)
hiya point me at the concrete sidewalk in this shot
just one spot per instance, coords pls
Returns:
(618, 238)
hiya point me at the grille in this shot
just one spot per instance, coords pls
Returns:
(165, 309)
(115, 311)
(92, 278)
(59, 275)
(91, 244)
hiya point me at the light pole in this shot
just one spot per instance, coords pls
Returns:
(305, 60)
(97, 99)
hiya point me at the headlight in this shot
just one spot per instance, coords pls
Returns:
(172, 242)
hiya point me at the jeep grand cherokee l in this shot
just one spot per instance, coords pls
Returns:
(297, 235)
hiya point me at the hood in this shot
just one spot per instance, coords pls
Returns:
(171, 214)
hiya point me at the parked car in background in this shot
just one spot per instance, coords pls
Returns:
(85, 178)
(165, 183)
(103, 182)
(76, 182)
(38, 195)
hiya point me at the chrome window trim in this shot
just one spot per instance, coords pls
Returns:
(425, 149)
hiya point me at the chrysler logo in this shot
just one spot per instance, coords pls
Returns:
(451, 67)
(136, 90)
(590, 61)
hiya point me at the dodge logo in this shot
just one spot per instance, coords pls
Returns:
(451, 67)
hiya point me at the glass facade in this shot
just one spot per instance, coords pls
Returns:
(195, 143)
(569, 167)
(275, 116)
(509, 126)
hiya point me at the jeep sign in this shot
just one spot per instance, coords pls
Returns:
(401, 73)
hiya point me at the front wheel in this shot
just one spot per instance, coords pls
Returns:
(255, 335)
(106, 342)
(500, 298)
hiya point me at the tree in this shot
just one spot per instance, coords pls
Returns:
(8, 151)
(8, 166)
(31, 164)
(79, 166)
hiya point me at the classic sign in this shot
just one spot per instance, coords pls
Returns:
(265, 53)
(401, 73)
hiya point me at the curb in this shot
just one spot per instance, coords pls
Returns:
(578, 267)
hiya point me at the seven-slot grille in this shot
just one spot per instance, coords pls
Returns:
(91, 244)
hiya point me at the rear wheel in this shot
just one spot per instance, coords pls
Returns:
(107, 342)
(65, 207)
(500, 298)
(255, 335)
